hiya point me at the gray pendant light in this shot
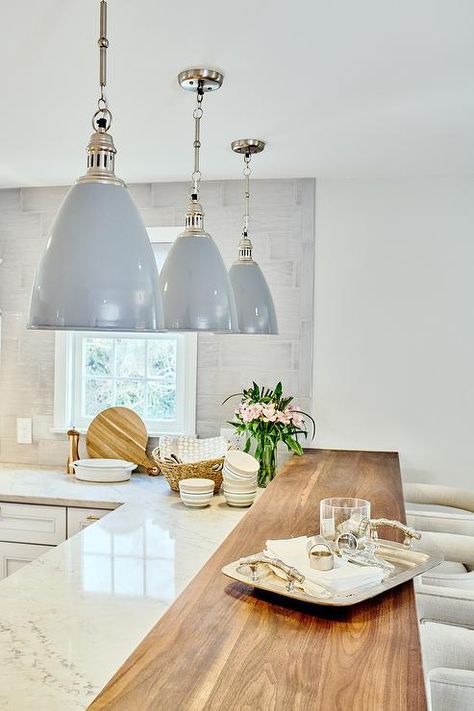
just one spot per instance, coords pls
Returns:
(196, 290)
(253, 299)
(98, 270)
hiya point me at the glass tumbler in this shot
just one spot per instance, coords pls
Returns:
(342, 515)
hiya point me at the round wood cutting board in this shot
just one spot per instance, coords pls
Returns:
(119, 433)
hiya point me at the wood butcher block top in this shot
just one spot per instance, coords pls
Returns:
(224, 646)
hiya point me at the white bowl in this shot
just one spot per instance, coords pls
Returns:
(240, 481)
(196, 504)
(229, 497)
(241, 462)
(103, 470)
(238, 501)
(231, 474)
(196, 496)
(196, 501)
(197, 486)
(240, 494)
(238, 488)
(251, 491)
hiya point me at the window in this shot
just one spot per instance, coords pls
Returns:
(153, 374)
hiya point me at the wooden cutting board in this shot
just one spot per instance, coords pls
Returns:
(119, 433)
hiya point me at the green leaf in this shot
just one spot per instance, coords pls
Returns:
(231, 396)
(294, 446)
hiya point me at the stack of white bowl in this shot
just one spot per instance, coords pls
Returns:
(240, 478)
(196, 493)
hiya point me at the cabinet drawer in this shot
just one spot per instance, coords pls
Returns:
(32, 523)
(14, 556)
(78, 519)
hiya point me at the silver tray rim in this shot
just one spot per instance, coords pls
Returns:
(341, 600)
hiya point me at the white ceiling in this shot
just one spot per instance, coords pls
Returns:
(338, 88)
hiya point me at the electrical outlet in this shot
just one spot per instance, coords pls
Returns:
(24, 430)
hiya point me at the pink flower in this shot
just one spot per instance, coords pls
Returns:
(297, 419)
(249, 412)
(269, 414)
(284, 416)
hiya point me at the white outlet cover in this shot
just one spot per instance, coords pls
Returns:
(24, 430)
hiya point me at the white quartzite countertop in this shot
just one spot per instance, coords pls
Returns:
(71, 618)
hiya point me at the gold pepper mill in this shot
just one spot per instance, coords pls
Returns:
(73, 436)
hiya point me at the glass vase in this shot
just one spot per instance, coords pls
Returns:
(267, 460)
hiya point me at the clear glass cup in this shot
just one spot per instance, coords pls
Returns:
(343, 515)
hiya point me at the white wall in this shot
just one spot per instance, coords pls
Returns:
(394, 330)
(283, 237)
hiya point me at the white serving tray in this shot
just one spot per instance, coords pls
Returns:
(408, 564)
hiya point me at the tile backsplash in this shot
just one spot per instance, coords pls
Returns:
(283, 237)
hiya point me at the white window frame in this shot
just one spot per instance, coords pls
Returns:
(66, 384)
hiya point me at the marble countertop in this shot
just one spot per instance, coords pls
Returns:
(70, 618)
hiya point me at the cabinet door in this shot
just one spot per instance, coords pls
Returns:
(32, 523)
(14, 556)
(78, 519)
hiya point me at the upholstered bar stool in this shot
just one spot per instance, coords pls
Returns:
(445, 516)
(448, 659)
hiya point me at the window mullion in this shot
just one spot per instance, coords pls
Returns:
(114, 372)
(145, 404)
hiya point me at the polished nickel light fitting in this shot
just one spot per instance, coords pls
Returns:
(253, 299)
(98, 271)
(196, 289)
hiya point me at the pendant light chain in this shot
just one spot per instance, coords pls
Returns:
(247, 172)
(197, 115)
(102, 119)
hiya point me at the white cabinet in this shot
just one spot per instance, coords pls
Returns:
(29, 530)
(14, 556)
(78, 519)
(32, 523)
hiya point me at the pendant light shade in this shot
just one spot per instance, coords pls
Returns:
(98, 270)
(253, 298)
(196, 289)
(197, 293)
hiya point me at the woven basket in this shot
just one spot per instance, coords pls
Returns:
(174, 473)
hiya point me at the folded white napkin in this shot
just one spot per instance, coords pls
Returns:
(343, 578)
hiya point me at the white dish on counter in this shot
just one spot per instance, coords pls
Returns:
(241, 499)
(103, 470)
(196, 493)
(196, 486)
(241, 464)
(240, 484)
(196, 501)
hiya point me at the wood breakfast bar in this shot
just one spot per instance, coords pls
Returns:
(224, 645)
